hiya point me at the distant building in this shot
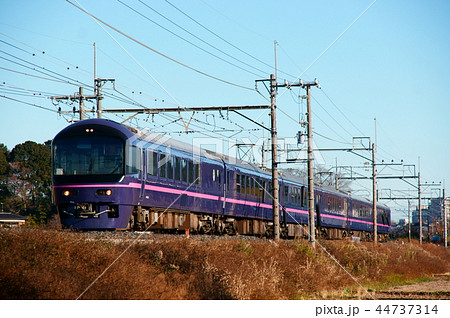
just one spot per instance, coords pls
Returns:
(11, 219)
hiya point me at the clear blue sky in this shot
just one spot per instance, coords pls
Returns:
(392, 64)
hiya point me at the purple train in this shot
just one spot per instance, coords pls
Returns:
(107, 176)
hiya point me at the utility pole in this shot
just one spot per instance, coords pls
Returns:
(409, 221)
(420, 205)
(273, 133)
(81, 102)
(446, 204)
(80, 97)
(311, 223)
(374, 187)
(275, 190)
(374, 197)
(98, 84)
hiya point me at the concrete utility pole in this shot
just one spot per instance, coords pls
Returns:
(409, 221)
(80, 98)
(311, 222)
(98, 84)
(374, 197)
(273, 134)
(419, 192)
(446, 203)
(81, 102)
(311, 205)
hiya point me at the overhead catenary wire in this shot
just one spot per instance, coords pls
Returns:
(41, 53)
(159, 53)
(332, 117)
(42, 70)
(201, 40)
(332, 43)
(341, 112)
(125, 99)
(223, 39)
(30, 104)
(187, 41)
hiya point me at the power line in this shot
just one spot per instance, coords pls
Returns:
(203, 41)
(30, 104)
(340, 111)
(180, 37)
(334, 119)
(223, 39)
(332, 43)
(56, 74)
(157, 52)
(77, 68)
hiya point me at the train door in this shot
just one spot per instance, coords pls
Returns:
(317, 209)
(225, 187)
(345, 211)
(142, 171)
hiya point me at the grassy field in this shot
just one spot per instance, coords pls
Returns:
(51, 264)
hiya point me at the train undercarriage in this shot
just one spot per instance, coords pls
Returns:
(173, 221)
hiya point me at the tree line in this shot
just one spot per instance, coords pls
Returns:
(25, 181)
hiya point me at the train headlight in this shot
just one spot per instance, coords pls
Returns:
(107, 192)
(68, 193)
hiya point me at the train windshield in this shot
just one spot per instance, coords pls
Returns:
(88, 156)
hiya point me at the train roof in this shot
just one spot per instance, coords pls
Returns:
(107, 127)
(168, 141)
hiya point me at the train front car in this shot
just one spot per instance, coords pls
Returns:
(93, 184)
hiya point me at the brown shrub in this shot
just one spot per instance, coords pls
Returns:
(49, 264)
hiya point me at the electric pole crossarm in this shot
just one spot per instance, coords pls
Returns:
(382, 177)
(187, 109)
(407, 198)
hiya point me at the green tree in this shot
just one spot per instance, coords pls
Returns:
(29, 179)
(4, 171)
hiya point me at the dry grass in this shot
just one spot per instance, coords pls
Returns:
(50, 264)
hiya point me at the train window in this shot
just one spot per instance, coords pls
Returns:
(219, 181)
(301, 195)
(177, 168)
(152, 163)
(238, 183)
(264, 190)
(243, 184)
(191, 171)
(170, 162)
(89, 156)
(162, 165)
(259, 187)
(247, 184)
(133, 162)
(184, 170)
(197, 173)
(286, 194)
